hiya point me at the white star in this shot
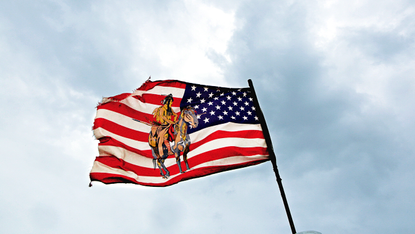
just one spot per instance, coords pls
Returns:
(217, 107)
(234, 93)
(212, 113)
(256, 118)
(233, 117)
(244, 94)
(228, 97)
(220, 117)
(222, 94)
(253, 108)
(242, 108)
(197, 107)
(239, 99)
(206, 89)
(216, 98)
(206, 120)
(230, 108)
(235, 103)
(198, 94)
(210, 103)
(250, 99)
(198, 116)
(189, 100)
(225, 112)
(204, 109)
(246, 103)
(245, 118)
(237, 113)
(202, 101)
(193, 88)
(223, 102)
(249, 113)
(210, 95)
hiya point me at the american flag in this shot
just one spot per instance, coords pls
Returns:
(228, 135)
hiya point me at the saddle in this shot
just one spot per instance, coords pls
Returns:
(170, 136)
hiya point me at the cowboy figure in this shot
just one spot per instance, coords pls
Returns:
(162, 130)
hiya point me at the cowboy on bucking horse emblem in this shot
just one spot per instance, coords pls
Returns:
(169, 137)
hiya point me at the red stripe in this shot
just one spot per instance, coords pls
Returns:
(166, 83)
(226, 152)
(121, 130)
(123, 109)
(119, 97)
(109, 178)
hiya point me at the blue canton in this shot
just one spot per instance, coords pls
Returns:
(215, 105)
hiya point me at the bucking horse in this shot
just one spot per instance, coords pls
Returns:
(179, 144)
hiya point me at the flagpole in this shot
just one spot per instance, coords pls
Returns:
(271, 154)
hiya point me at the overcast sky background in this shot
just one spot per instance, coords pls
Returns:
(335, 79)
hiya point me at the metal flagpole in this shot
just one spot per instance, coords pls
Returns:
(271, 154)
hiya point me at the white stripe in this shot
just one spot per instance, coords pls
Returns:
(147, 108)
(139, 105)
(229, 126)
(123, 120)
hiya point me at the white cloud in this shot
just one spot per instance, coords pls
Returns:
(171, 41)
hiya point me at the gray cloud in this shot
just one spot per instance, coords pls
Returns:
(332, 137)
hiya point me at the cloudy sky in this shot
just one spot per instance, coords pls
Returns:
(335, 79)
